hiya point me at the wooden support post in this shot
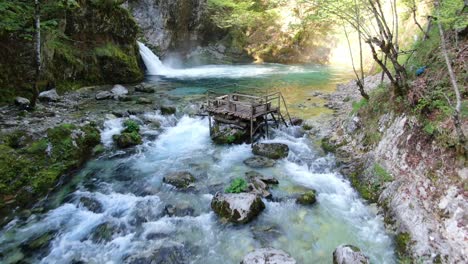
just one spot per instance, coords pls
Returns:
(266, 127)
(209, 122)
(251, 131)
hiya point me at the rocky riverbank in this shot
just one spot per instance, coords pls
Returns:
(417, 182)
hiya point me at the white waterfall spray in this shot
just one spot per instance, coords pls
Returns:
(153, 64)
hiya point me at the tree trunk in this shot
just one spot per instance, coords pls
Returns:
(453, 80)
(37, 51)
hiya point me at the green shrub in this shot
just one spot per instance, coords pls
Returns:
(358, 105)
(383, 175)
(131, 126)
(238, 185)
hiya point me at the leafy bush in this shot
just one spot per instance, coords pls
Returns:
(238, 185)
(131, 126)
(358, 105)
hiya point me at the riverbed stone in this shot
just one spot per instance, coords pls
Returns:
(144, 89)
(266, 234)
(179, 210)
(268, 256)
(38, 242)
(170, 253)
(238, 208)
(49, 96)
(104, 95)
(22, 102)
(349, 254)
(257, 186)
(144, 100)
(296, 121)
(263, 178)
(104, 232)
(271, 150)
(91, 204)
(126, 140)
(259, 162)
(168, 110)
(181, 179)
(307, 198)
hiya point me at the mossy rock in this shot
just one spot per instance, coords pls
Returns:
(181, 180)
(307, 198)
(168, 110)
(271, 150)
(126, 140)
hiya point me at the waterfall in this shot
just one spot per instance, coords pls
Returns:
(153, 64)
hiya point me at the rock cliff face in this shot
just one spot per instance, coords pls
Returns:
(418, 182)
(91, 43)
(171, 25)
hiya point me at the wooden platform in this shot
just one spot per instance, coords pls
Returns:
(247, 111)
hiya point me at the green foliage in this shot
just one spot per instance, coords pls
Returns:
(429, 128)
(238, 185)
(382, 174)
(358, 105)
(131, 126)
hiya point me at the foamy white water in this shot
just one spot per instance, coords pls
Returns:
(154, 66)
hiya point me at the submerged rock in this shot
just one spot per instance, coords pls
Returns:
(91, 204)
(263, 178)
(38, 242)
(167, 254)
(271, 150)
(348, 254)
(168, 110)
(181, 180)
(239, 208)
(266, 234)
(104, 232)
(268, 256)
(22, 102)
(144, 89)
(49, 96)
(103, 95)
(296, 121)
(178, 210)
(259, 162)
(144, 100)
(307, 198)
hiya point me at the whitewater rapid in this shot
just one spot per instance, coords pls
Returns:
(133, 198)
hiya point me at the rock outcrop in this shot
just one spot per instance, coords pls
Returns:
(348, 254)
(239, 208)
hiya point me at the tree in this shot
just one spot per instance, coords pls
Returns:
(453, 80)
(37, 51)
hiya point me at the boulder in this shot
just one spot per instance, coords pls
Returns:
(104, 232)
(168, 110)
(348, 254)
(143, 89)
(268, 256)
(257, 186)
(259, 162)
(307, 198)
(225, 134)
(266, 234)
(263, 178)
(38, 242)
(119, 90)
(103, 95)
(271, 150)
(181, 180)
(239, 208)
(91, 204)
(49, 96)
(126, 140)
(22, 102)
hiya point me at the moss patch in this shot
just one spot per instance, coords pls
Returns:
(31, 171)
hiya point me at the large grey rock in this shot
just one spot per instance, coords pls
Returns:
(271, 150)
(226, 134)
(263, 178)
(256, 185)
(268, 256)
(348, 254)
(259, 162)
(22, 102)
(49, 96)
(181, 179)
(239, 208)
(91, 204)
(103, 95)
(307, 198)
